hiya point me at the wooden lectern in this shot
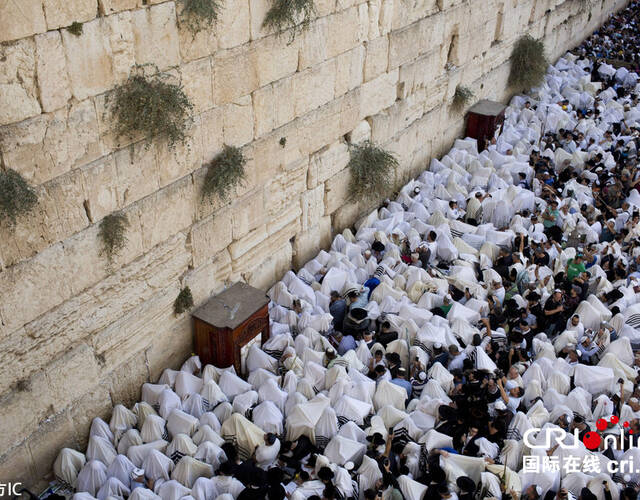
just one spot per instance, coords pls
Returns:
(229, 321)
(483, 119)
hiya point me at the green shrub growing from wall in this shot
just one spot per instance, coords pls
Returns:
(528, 63)
(113, 234)
(75, 28)
(372, 171)
(184, 301)
(224, 173)
(17, 197)
(290, 14)
(462, 97)
(150, 105)
(198, 15)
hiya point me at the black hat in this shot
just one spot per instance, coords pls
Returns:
(587, 494)
(466, 484)
(446, 412)
(325, 474)
(358, 314)
(437, 474)
(377, 246)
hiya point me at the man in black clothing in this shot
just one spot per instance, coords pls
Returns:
(294, 451)
(554, 312)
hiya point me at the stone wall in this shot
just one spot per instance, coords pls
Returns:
(77, 337)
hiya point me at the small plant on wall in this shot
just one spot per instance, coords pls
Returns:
(184, 301)
(113, 234)
(75, 28)
(528, 63)
(17, 197)
(198, 15)
(224, 173)
(150, 105)
(461, 97)
(372, 170)
(289, 14)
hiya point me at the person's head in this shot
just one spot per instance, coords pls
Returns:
(330, 353)
(402, 373)
(557, 295)
(379, 370)
(296, 305)
(225, 469)
(371, 494)
(516, 392)
(334, 296)
(432, 236)
(453, 350)
(137, 475)
(378, 355)
(325, 474)
(270, 438)
(533, 492)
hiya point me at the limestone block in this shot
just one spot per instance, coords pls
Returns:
(21, 19)
(100, 191)
(376, 58)
(209, 278)
(17, 465)
(196, 45)
(273, 58)
(210, 236)
(136, 172)
(337, 191)
(238, 121)
(264, 275)
(211, 133)
(51, 436)
(265, 157)
(349, 70)
(313, 48)
(385, 18)
(396, 118)
(273, 106)
(89, 60)
(406, 13)
(258, 11)
(348, 214)
(197, 80)
(234, 26)
(420, 74)
(314, 87)
(186, 157)
(308, 243)
(312, 207)
(52, 71)
(406, 44)
(64, 12)
(166, 212)
(235, 76)
(321, 126)
(360, 134)
(243, 245)
(343, 31)
(95, 403)
(109, 6)
(287, 221)
(247, 213)
(156, 35)
(326, 163)
(379, 93)
(18, 81)
(326, 7)
(122, 44)
(283, 189)
(171, 349)
(349, 111)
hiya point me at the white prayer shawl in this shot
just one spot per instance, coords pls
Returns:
(101, 429)
(511, 453)
(168, 377)
(113, 487)
(180, 446)
(143, 494)
(167, 402)
(141, 411)
(621, 349)
(257, 358)
(456, 466)
(538, 415)
(232, 385)
(92, 476)
(212, 394)
(203, 489)
(244, 402)
(192, 365)
(122, 419)
(68, 464)
(269, 391)
(82, 496)
(412, 490)
(268, 417)
(101, 449)
(349, 408)
(222, 411)
(244, 434)
(209, 418)
(491, 485)
(391, 415)
(595, 379)
(189, 469)
(351, 431)
(259, 376)
(180, 422)
(153, 429)
(433, 439)
(326, 427)
(195, 405)
(341, 450)
(211, 454)
(227, 485)
(138, 454)
(171, 490)
(157, 466)
(207, 434)
(121, 469)
(620, 370)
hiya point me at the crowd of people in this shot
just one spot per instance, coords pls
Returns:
(467, 340)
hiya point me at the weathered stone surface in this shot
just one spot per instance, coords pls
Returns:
(314, 87)
(17, 465)
(109, 6)
(238, 121)
(235, 76)
(52, 71)
(361, 133)
(89, 60)
(326, 163)
(18, 81)
(64, 12)
(379, 93)
(343, 31)
(156, 35)
(21, 19)
(233, 26)
(209, 278)
(210, 236)
(312, 207)
(197, 80)
(247, 213)
(349, 70)
(122, 45)
(273, 58)
(307, 244)
(54, 433)
(376, 58)
(272, 106)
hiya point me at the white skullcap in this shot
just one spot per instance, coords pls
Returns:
(499, 405)
(437, 345)
(137, 473)
(633, 400)
(331, 350)
(423, 376)
(349, 466)
(510, 385)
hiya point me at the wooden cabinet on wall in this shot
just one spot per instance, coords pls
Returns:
(228, 322)
(483, 120)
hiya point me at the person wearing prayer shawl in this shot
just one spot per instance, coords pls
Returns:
(356, 323)
(511, 394)
(266, 454)
(337, 309)
(255, 490)
(588, 349)
(225, 483)
(456, 358)
(331, 357)
(418, 383)
(344, 343)
(291, 362)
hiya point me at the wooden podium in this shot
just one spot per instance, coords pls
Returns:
(483, 119)
(229, 321)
